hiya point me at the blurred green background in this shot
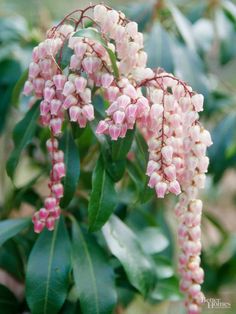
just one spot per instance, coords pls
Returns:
(196, 40)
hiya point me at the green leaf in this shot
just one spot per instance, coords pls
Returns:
(164, 269)
(94, 277)
(121, 147)
(72, 162)
(189, 67)
(167, 289)
(141, 13)
(18, 88)
(9, 228)
(103, 197)
(153, 240)
(123, 243)
(49, 264)
(22, 135)
(92, 33)
(64, 55)
(184, 26)
(158, 47)
(223, 137)
(8, 301)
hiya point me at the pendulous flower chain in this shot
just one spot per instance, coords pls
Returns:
(164, 108)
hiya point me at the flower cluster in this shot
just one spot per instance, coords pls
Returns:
(166, 114)
(47, 215)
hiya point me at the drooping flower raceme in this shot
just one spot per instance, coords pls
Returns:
(164, 108)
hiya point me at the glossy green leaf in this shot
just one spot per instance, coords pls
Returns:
(164, 269)
(184, 26)
(22, 135)
(124, 244)
(141, 13)
(103, 197)
(153, 240)
(72, 163)
(10, 227)
(121, 147)
(167, 289)
(92, 33)
(158, 47)
(189, 67)
(94, 277)
(64, 55)
(18, 88)
(49, 265)
(8, 301)
(223, 137)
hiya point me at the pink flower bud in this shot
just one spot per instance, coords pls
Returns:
(154, 179)
(50, 223)
(170, 172)
(196, 206)
(44, 108)
(102, 127)
(193, 309)
(49, 93)
(199, 180)
(111, 93)
(86, 95)
(55, 125)
(38, 86)
(197, 101)
(123, 101)
(43, 213)
(112, 108)
(88, 112)
(174, 187)
(131, 29)
(38, 226)
(131, 113)
(152, 166)
(156, 111)
(50, 203)
(59, 81)
(194, 289)
(59, 169)
(80, 84)
(35, 55)
(80, 49)
(99, 12)
(130, 91)
(55, 212)
(123, 131)
(199, 150)
(68, 89)
(58, 190)
(28, 88)
(91, 64)
(203, 163)
(143, 107)
(74, 113)
(69, 101)
(59, 156)
(52, 144)
(157, 96)
(74, 62)
(119, 117)
(114, 132)
(55, 105)
(198, 275)
(169, 102)
(178, 91)
(205, 138)
(34, 70)
(167, 153)
(161, 189)
(106, 80)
